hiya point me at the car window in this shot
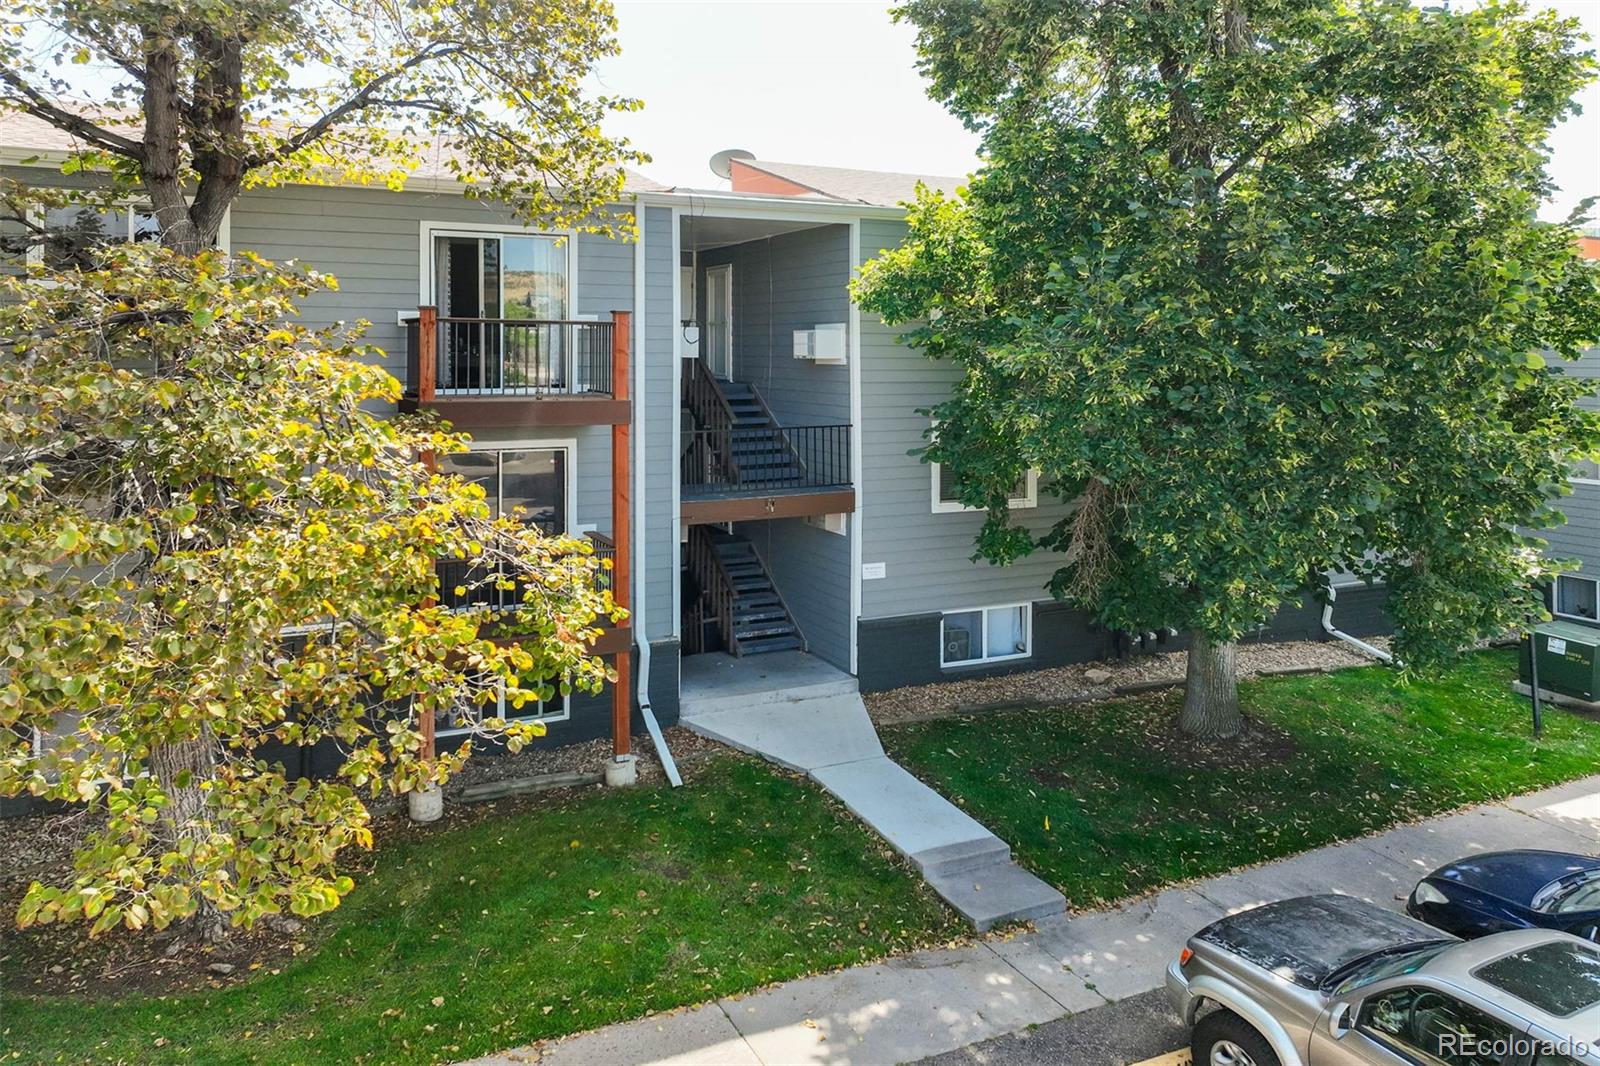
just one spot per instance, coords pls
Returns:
(1435, 1027)
(1584, 897)
(1383, 966)
(1560, 977)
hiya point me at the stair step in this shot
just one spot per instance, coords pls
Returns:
(765, 644)
(751, 633)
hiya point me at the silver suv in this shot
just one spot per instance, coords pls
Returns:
(1335, 981)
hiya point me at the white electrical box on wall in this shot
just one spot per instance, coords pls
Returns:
(826, 343)
(830, 523)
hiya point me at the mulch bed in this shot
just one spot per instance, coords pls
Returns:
(1072, 684)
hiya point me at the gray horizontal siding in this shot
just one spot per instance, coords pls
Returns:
(1579, 537)
(654, 406)
(370, 240)
(789, 282)
(927, 555)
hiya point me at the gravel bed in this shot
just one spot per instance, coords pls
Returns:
(588, 756)
(1071, 684)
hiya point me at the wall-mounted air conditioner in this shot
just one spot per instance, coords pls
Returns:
(826, 343)
(829, 523)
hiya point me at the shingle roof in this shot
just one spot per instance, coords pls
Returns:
(880, 188)
(24, 132)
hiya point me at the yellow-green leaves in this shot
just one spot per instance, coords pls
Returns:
(216, 544)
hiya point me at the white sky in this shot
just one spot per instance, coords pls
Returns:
(832, 82)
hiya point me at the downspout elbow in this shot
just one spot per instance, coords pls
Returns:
(1339, 634)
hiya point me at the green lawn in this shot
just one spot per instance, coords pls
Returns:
(534, 923)
(1352, 752)
(467, 940)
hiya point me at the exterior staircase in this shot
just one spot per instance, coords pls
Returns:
(759, 449)
(750, 611)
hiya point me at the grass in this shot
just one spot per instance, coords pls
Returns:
(470, 939)
(525, 924)
(1105, 802)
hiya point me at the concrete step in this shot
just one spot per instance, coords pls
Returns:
(962, 856)
(996, 894)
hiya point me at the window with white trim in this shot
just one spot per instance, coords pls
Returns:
(986, 635)
(75, 227)
(1586, 471)
(535, 481)
(946, 499)
(1577, 597)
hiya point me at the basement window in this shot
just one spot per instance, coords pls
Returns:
(986, 635)
(1576, 597)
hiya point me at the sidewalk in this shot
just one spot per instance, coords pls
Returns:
(930, 1002)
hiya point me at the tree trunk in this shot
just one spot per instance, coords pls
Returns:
(1211, 690)
(179, 769)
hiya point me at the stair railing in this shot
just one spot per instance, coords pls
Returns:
(716, 584)
(709, 458)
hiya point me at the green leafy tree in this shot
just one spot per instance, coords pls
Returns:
(188, 481)
(195, 574)
(187, 104)
(1258, 286)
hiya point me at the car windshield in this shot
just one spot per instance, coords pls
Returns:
(1572, 895)
(1390, 962)
(1561, 977)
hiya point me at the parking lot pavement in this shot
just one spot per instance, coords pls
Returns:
(1129, 1031)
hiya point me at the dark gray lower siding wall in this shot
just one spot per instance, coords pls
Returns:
(590, 719)
(893, 652)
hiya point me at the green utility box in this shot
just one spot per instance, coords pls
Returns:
(1568, 662)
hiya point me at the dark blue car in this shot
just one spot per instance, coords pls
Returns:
(1502, 890)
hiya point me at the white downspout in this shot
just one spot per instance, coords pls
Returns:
(642, 681)
(1339, 634)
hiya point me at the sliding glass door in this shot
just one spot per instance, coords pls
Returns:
(498, 297)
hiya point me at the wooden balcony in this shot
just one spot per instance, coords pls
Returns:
(511, 373)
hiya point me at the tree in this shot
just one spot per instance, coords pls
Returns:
(1258, 286)
(186, 476)
(195, 102)
(195, 576)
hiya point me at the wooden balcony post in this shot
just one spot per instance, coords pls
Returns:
(622, 534)
(427, 353)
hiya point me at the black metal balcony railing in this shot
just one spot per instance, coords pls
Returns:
(478, 590)
(513, 357)
(754, 461)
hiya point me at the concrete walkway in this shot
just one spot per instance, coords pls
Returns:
(936, 1001)
(801, 713)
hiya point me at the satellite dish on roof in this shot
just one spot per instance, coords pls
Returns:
(722, 162)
